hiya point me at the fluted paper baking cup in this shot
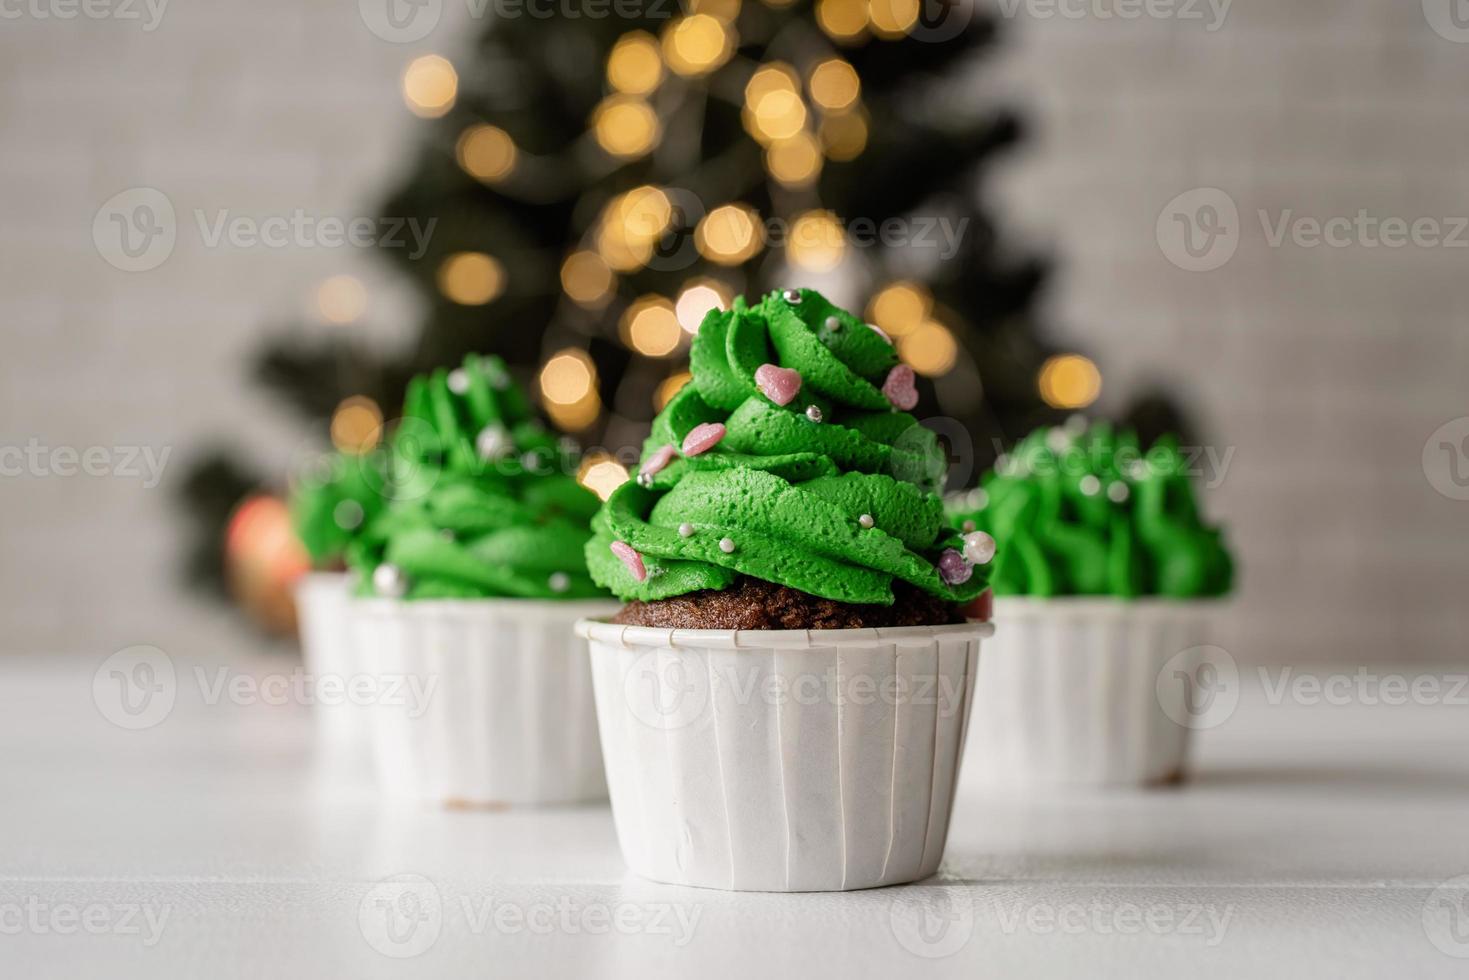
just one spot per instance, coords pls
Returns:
(819, 760)
(323, 612)
(1084, 691)
(482, 702)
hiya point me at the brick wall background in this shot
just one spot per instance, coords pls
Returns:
(1324, 368)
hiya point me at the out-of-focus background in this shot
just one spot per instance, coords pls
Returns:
(1180, 170)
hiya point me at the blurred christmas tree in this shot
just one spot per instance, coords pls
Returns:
(599, 183)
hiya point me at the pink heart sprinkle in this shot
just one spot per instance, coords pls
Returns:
(953, 568)
(702, 438)
(658, 461)
(899, 388)
(630, 558)
(881, 333)
(778, 384)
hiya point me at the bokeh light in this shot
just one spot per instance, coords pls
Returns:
(669, 387)
(587, 279)
(341, 299)
(634, 67)
(601, 474)
(730, 234)
(892, 19)
(900, 307)
(696, 299)
(816, 242)
(568, 384)
(795, 162)
(471, 278)
(842, 20)
(625, 126)
(844, 136)
(697, 45)
(357, 425)
(486, 152)
(929, 348)
(650, 327)
(430, 85)
(1069, 381)
(834, 85)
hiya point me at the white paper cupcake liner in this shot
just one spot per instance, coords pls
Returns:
(783, 760)
(493, 702)
(1069, 694)
(328, 649)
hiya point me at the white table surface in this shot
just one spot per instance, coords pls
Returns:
(1311, 843)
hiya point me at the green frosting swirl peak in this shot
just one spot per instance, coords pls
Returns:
(833, 493)
(1081, 510)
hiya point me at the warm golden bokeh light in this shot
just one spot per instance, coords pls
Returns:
(430, 85)
(587, 278)
(816, 242)
(567, 377)
(578, 415)
(471, 278)
(930, 349)
(485, 152)
(795, 162)
(601, 474)
(618, 252)
(697, 298)
(843, 20)
(900, 307)
(650, 327)
(834, 85)
(357, 425)
(643, 212)
(844, 136)
(892, 19)
(725, 10)
(341, 299)
(1069, 381)
(670, 387)
(625, 126)
(697, 45)
(772, 79)
(730, 234)
(634, 67)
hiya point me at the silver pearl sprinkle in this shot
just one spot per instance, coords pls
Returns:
(979, 548)
(493, 442)
(813, 412)
(645, 479)
(389, 581)
(727, 545)
(793, 296)
(1090, 485)
(686, 530)
(866, 520)
(458, 381)
(559, 581)
(833, 324)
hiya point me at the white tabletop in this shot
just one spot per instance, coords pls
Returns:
(223, 842)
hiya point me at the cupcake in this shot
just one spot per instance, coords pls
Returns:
(783, 697)
(331, 504)
(471, 581)
(1107, 577)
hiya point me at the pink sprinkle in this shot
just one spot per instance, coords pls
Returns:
(952, 567)
(630, 558)
(702, 438)
(778, 384)
(658, 461)
(899, 388)
(881, 333)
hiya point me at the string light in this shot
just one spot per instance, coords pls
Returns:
(568, 383)
(601, 474)
(844, 136)
(619, 253)
(625, 126)
(430, 84)
(576, 416)
(471, 278)
(729, 235)
(587, 278)
(900, 308)
(697, 45)
(725, 10)
(892, 19)
(634, 67)
(341, 299)
(644, 213)
(650, 327)
(930, 349)
(485, 152)
(816, 242)
(698, 297)
(670, 387)
(773, 108)
(842, 20)
(795, 162)
(834, 85)
(357, 425)
(1069, 381)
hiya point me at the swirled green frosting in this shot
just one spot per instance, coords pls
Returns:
(486, 503)
(834, 493)
(334, 501)
(1081, 510)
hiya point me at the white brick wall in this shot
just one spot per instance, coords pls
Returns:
(1326, 368)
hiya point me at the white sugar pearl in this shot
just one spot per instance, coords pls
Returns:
(979, 548)
(559, 581)
(1090, 485)
(686, 530)
(833, 324)
(866, 520)
(1117, 492)
(389, 580)
(813, 412)
(458, 381)
(726, 545)
(493, 442)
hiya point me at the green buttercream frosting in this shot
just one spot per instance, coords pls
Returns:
(834, 493)
(486, 503)
(1081, 510)
(335, 500)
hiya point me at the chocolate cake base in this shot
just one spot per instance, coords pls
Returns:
(752, 604)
